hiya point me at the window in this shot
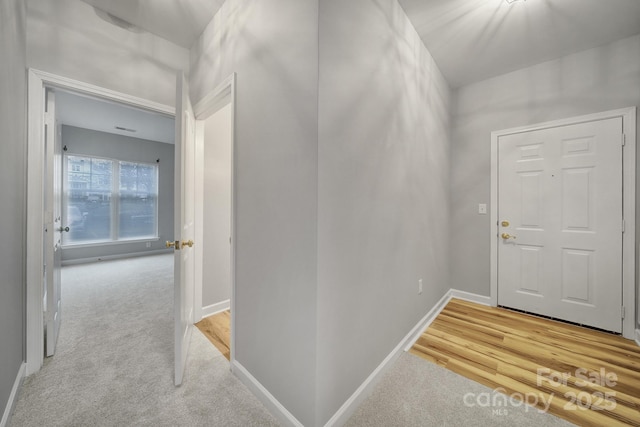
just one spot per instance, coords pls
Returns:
(107, 200)
(89, 187)
(138, 200)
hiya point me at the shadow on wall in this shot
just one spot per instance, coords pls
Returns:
(67, 38)
(595, 80)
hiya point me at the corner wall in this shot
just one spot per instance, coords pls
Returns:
(272, 47)
(595, 80)
(13, 122)
(383, 190)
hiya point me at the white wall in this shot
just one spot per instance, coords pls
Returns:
(376, 172)
(383, 197)
(13, 125)
(67, 38)
(272, 45)
(216, 271)
(600, 79)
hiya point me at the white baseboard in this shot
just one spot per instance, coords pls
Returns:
(13, 396)
(212, 309)
(116, 256)
(427, 320)
(433, 313)
(264, 396)
(349, 407)
(468, 296)
(638, 336)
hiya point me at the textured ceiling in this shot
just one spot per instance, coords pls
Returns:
(472, 40)
(179, 21)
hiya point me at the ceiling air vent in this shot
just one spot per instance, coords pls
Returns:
(125, 129)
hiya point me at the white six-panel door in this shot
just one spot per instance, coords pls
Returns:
(560, 222)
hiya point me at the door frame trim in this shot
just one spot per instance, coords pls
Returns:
(222, 95)
(37, 82)
(628, 116)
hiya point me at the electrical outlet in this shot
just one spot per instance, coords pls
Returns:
(419, 286)
(148, 244)
(482, 208)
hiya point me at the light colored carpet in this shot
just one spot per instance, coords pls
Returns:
(114, 361)
(114, 367)
(415, 392)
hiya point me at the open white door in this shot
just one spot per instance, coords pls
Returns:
(184, 270)
(53, 225)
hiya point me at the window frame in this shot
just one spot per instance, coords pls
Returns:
(115, 194)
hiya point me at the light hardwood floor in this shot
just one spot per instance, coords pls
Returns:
(590, 378)
(217, 329)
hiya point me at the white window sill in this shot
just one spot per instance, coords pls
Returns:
(109, 243)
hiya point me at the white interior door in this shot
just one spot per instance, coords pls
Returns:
(561, 223)
(184, 259)
(53, 225)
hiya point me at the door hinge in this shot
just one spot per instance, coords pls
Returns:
(623, 225)
(624, 139)
(623, 312)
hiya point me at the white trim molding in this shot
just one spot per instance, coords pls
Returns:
(364, 390)
(223, 95)
(427, 320)
(440, 305)
(628, 116)
(53, 80)
(212, 309)
(351, 404)
(38, 82)
(115, 256)
(349, 407)
(468, 296)
(13, 396)
(267, 399)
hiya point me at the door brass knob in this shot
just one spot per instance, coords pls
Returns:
(187, 243)
(507, 236)
(61, 229)
(175, 244)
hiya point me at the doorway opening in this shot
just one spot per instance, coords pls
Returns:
(185, 180)
(214, 216)
(82, 201)
(112, 193)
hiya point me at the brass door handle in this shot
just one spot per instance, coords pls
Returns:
(507, 236)
(187, 243)
(175, 244)
(61, 229)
